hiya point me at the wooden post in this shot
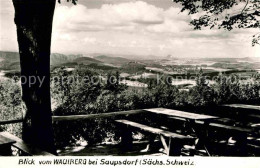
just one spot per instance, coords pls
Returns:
(6, 150)
(174, 147)
(151, 146)
(241, 144)
(126, 138)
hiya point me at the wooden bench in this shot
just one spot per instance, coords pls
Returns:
(237, 133)
(231, 129)
(214, 126)
(5, 146)
(26, 148)
(255, 120)
(245, 113)
(249, 116)
(172, 148)
(256, 125)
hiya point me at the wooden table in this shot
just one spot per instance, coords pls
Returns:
(5, 146)
(243, 106)
(190, 118)
(243, 111)
(181, 114)
(249, 113)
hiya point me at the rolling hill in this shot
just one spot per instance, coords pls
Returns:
(117, 61)
(86, 60)
(11, 60)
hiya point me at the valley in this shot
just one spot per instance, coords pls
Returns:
(137, 72)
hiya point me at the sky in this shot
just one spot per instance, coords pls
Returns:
(131, 27)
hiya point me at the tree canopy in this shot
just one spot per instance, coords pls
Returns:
(224, 14)
(73, 1)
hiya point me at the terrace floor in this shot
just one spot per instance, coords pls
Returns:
(109, 150)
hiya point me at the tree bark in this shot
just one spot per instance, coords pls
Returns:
(33, 19)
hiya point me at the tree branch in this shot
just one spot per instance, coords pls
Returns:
(245, 6)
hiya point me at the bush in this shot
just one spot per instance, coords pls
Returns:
(10, 105)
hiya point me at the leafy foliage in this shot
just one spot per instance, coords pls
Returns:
(219, 13)
(10, 105)
(201, 94)
(73, 1)
(78, 92)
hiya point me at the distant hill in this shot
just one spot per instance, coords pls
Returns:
(224, 60)
(112, 60)
(86, 60)
(243, 65)
(57, 59)
(11, 60)
(233, 60)
(14, 56)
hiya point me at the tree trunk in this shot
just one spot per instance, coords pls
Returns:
(33, 19)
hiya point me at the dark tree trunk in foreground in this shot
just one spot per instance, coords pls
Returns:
(33, 19)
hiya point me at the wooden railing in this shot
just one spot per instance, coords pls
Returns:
(219, 125)
(28, 149)
(94, 116)
(82, 117)
(11, 122)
